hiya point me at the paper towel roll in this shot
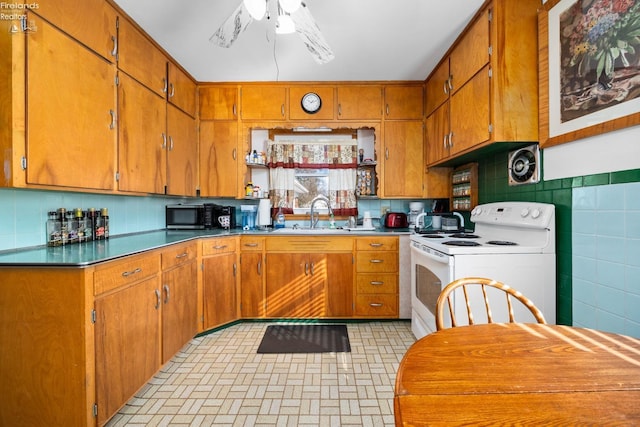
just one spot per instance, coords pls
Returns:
(264, 212)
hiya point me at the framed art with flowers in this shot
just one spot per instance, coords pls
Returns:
(589, 76)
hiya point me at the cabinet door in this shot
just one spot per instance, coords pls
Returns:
(437, 139)
(251, 289)
(182, 90)
(287, 286)
(142, 138)
(141, 59)
(182, 153)
(264, 102)
(403, 157)
(218, 102)
(92, 22)
(437, 87)
(219, 288)
(127, 334)
(359, 102)
(339, 287)
(218, 159)
(471, 54)
(71, 111)
(470, 113)
(179, 308)
(403, 102)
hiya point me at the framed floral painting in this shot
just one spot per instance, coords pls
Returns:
(589, 68)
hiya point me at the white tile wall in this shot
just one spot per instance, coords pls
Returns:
(606, 258)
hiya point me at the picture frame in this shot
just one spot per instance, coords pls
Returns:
(589, 81)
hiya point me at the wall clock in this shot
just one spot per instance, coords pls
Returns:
(311, 102)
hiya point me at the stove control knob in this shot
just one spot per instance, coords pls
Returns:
(536, 213)
(524, 212)
(476, 211)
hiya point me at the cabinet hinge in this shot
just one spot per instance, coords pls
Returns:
(490, 15)
(23, 163)
(117, 176)
(490, 72)
(117, 79)
(490, 128)
(490, 50)
(95, 410)
(93, 316)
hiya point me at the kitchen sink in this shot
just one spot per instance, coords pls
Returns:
(307, 230)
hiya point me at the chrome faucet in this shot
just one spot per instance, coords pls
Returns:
(315, 217)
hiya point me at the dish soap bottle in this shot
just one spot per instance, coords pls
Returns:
(280, 220)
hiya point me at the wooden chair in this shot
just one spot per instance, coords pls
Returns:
(464, 283)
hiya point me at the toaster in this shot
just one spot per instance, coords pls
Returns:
(396, 220)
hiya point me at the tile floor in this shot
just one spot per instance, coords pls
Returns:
(220, 380)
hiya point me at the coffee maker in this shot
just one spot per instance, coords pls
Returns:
(415, 209)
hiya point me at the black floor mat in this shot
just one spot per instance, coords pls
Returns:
(305, 339)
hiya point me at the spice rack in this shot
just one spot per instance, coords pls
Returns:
(366, 180)
(464, 187)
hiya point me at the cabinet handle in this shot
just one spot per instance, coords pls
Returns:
(450, 83)
(450, 139)
(157, 292)
(306, 268)
(164, 141)
(386, 153)
(129, 273)
(235, 269)
(234, 153)
(260, 268)
(376, 261)
(445, 87)
(313, 264)
(235, 111)
(172, 90)
(339, 109)
(375, 304)
(182, 255)
(376, 283)
(251, 245)
(170, 143)
(220, 247)
(166, 294)
(387, 109)
(113, 119)
(114, 51)
(375, 245)
(164, 85)
(445, 144)
(282, 109)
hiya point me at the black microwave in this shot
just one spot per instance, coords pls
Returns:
(186, 217)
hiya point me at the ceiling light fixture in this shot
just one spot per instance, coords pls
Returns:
(290, 6)
(256, 8)
(285, 24)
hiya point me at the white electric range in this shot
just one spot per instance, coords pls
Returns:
(513, 242)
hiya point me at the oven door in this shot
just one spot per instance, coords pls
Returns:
(431, 271)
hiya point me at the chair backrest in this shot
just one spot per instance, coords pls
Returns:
(446, 296)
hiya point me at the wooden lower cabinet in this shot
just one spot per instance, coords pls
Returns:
(377, 266)
(219, 281)
(252, 301)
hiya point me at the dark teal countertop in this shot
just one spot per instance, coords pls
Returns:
(85, 254)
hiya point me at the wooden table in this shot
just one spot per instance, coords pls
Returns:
(514, 374)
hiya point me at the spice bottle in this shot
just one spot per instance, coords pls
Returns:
(98, 227)
(54, 236)
(105, 221)
(72, 227)
(248, 190)
(90, 226)
(80, 224)
(64, 229)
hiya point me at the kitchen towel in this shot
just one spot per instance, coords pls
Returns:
(305, 339)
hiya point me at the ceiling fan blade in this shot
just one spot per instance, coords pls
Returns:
(232, 27)
(311, 36)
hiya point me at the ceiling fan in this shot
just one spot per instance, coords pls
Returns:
(293, 16)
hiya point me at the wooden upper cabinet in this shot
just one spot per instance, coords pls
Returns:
(470, 113)
(218, 158)
(71, 136)
(472, 53)
(437, 87)
(142, 138)
(141, 59)
(182, 153)
(437, 135)
(264, 102)
(326, 94)
(404, 102)
(359, 102)
(403, 157)
(218, 102)
(181, 91)
(92, 22)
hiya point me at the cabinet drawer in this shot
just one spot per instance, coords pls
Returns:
(251, 244)
(377, 305)
(221, 245)
(114, 274)
(377, 283)
(377, 262)
(178, 254)
(318, 243)
(375, 243)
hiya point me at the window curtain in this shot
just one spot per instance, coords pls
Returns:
(339, 156)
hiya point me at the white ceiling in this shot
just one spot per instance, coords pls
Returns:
(371, 39)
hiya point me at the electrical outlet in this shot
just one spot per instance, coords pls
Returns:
(384, 210)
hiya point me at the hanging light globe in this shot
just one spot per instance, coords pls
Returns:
(285, 25)
(256, 8)
(290, 6)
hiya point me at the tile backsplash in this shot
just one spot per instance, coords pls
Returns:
(606, 257)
